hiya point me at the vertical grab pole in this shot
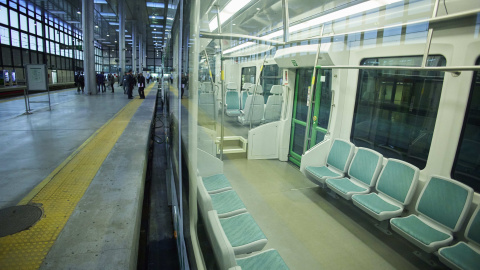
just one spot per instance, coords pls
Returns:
(222, 87)
(429, 36)
(311, 88)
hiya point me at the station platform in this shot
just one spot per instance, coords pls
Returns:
(83, 163)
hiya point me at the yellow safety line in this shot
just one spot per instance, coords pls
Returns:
(60, 192)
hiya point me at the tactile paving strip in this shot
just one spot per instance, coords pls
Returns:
(59, 197)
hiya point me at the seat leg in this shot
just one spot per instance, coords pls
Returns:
(331, 193)
(426, 257)
(383, 227)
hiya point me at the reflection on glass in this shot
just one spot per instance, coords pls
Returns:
(298, 139)
(467, 163)
(248, 75)
(396, 110)
(303, 82)
(269, 77)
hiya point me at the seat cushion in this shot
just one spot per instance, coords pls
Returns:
(322, 173)
(233, 112)
(269, 259)
(345, 187)
(374, 203)
(227, 203)
(216, 183)
(417, 229)
(243, 233)
(460, 255)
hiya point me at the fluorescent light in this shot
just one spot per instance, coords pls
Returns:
(155, 5)
(157, 32)
(168, 18)
(73, 22)
(119, 30)
(100, 2)
(157, 37)
(113, 23)
(128, 36)
(356, 9)
(156, 25)
(57, 12)
(156, 17)
(228, 11)
(108, 14)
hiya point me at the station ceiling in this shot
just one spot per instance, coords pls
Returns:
(152, 17)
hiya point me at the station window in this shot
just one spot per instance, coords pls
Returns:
(248, 75)
(466, 167)
(396, 110)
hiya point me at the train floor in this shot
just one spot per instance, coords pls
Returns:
(83, 163)
(311, 229)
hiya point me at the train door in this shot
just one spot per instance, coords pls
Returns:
(319, 116)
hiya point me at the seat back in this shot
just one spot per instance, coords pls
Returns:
(340, 155)
(254, 106)
(445, 202)
(206, 106)
(222, 249)
(366, 166)
(472, 233)
(398, 180)
(244, 94)
(244, 99)
(273, 108)
(232, 100)
(204, 200)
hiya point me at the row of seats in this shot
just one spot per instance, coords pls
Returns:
(232, 231)
(441, 209)
(250, 108)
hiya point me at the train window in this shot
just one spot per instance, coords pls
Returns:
(466, 167)
(270, 76)
(395, 110)
(248, 75)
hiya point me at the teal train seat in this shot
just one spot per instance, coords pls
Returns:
(241, 231)
(363, 172)
(465, 256)
(442, 207)
(395, 186)
(273, 108)
(232, 100)
(338, 160)
(210, 169)
(254, 107)
(226, 203)
(244, 94)
(225, 253)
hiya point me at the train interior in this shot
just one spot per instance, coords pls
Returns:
(262, 92)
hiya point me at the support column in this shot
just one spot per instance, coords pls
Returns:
(88, 47)
(121, 37)
(134, 47)
(140, 53)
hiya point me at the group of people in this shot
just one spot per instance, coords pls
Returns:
(129, 82)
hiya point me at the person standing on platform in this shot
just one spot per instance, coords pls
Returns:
(130, 83)
(81, 82)
(124, 83)
(141, 86)
(111, 80)
(148, 78)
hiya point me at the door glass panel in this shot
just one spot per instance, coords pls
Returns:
(304, 79)
(325, 100)
(298, 138)
(248, 75)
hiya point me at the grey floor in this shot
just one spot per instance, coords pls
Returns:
(32, 146)
(309, 228)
